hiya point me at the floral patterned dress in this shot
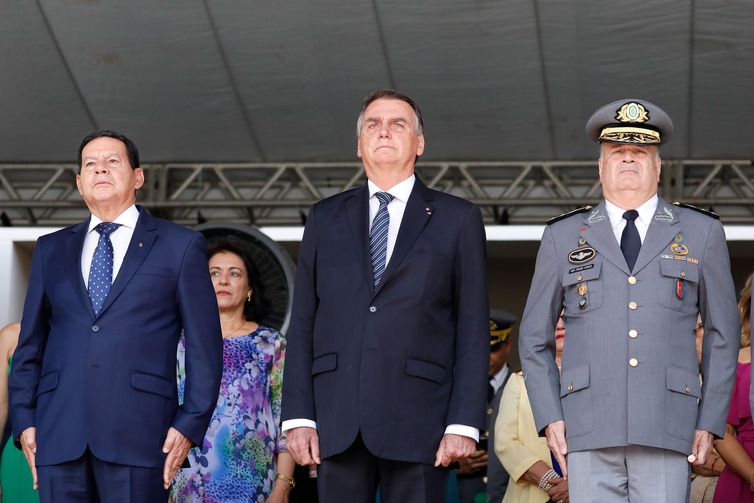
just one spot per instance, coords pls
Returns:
(236, 462)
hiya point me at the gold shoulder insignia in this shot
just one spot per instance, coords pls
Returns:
(566, 215)
(700, 210)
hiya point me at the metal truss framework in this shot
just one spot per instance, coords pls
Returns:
(281, 193)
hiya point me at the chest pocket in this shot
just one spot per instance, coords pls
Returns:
(583, 289)
(678, 285)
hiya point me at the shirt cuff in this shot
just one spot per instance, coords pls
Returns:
(459, 429)
(298, 423)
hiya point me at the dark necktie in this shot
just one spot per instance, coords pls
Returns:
(101, 270)
(378, 236)
(630, 242)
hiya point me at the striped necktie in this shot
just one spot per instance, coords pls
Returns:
(378, 236)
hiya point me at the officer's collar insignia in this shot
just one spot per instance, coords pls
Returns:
(632, 112)
(582, 255)
(664, 215)
(595, 216)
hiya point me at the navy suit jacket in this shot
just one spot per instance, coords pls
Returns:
(109, 381)
(401, 362)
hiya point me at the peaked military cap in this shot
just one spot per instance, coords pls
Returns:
(501, 325)
(632, 121)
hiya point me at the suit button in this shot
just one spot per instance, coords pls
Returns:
(372, 309)
(632, 305)
(633, 362)
(633, 334)
(632, 280)
(95, 328)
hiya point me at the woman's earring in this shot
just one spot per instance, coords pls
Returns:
(248, 297)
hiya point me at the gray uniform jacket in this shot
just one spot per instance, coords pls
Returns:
(629, 371)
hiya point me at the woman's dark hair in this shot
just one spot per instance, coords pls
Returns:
(256, 309)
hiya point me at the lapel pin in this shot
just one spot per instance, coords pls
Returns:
(141, 245)
(428, 210)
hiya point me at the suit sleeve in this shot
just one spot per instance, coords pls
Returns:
(27, 359)
(536, 343)
(472, 347)
(722, 333)
(298, 390)
(197, 307)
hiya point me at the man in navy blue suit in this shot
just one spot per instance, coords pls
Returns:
(93, 386)
(386, 368)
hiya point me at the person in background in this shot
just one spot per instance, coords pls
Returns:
(481, 477)
(15, 476)
(736, 482)
(704, 477)
(243, 456)
(536, 476)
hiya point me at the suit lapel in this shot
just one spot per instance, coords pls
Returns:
(660, 234)
(598, 232)
(74, 247)
(357, 209)
(415, 218)
(141, 242)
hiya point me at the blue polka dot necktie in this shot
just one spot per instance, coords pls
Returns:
(101, 270)
(630, 241)
(378, 236)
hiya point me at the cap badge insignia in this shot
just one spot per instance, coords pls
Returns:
(582, 255)
(632, 112)
(679, 249)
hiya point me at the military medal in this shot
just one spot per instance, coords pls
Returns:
(582, 289)
(679, 288)
(679, 249)
(582, 303)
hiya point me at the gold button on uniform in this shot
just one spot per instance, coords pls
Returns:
(570, 387)
(632, 280)
(632, 305)
(633, 334)
(633, 362)
(687, 390)
(579, 277)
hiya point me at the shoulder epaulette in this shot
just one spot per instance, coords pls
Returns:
(700, 210)
(566, 215)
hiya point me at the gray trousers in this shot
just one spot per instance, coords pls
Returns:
(634, 473)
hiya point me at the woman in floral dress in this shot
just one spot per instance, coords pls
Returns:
(242, 457)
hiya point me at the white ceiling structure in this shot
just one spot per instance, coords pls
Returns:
(262, 81)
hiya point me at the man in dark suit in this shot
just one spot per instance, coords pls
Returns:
(482, 472)
(93, 388)
(387, 359)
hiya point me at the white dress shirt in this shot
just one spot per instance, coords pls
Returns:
(120, 238)
(400, 192)
(499, 378)
(646, 212)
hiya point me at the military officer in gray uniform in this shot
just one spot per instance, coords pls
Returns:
(631, 274)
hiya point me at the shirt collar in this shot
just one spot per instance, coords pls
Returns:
(126, 219)
(400, 190)
(497, 379)
(646, 211)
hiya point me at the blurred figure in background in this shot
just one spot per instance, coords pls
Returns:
(536, 476)
(242, 457)
(481, 477)
(15, 476)
(736, 482)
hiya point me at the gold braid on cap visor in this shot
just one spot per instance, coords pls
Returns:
(498, 336)
(622, 134)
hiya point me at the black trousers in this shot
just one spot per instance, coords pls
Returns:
(353, 476)
(89, 479)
